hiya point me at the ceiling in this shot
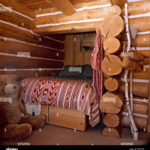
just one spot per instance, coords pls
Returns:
(44, 4)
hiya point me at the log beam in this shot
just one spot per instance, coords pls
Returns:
(65, 6)
(18, 7)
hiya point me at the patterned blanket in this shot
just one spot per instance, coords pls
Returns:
(72, 94)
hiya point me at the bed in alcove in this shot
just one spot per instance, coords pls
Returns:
(48, 44)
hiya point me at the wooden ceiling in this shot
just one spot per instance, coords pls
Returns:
(69, 16)
(44, 4)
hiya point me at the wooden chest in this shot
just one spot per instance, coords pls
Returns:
(65, 117)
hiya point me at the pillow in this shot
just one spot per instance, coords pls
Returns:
(88, 71)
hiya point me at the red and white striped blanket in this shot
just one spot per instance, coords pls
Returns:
(72, 94)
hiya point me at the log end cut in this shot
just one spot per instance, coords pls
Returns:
(111, 132)
(111, 84)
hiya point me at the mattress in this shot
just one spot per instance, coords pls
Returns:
(64, 93)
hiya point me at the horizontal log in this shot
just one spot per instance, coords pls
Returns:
(139, 108)
(18, 7)
(29, 73)
(78, 4)
(13, 32)
(139, 7)
(140, 122)
(138, 75)
(64, 6)
(17, 19)
(88, 26)
(142, 24)
(11, 62)
(15, 48)
(139, 89)
(142, 40)
(79, 15)
(143, 52)
(120, 3)
(111, 103)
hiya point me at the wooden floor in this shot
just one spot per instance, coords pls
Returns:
(53, 135)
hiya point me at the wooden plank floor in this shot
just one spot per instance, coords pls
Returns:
(53, 135)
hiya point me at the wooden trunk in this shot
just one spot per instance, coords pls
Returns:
(111, 65)
(111, 84)
(67, 118)
(111, 103)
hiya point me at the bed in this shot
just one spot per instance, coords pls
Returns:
(70, 90)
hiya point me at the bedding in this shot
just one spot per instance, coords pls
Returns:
(64, 93)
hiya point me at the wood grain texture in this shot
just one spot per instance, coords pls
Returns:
(29, 73)
(15, 47)
(64, 6)
(11, 62)
(18, 7)
(111, 103)
(13, 32)
(79, 16)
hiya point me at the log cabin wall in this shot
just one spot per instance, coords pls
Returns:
(75, 53)
(139, 16)
(23, 52)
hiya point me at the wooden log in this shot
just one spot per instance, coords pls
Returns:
(119, 3)
(142, 40)
(112, 120)
(148, 123)
(16, 33)
(145, 53)
(142, 24)
(79, 16)
(139, 108)
(17, 19)
(134, 55)
(130, 64)
(111, 132)
(111, 103)
(12, 62)
(140, 122)
(139, 89)
(111, 45)
(15, 5)
(141, 75)
(29, 73)
(77, 4)
(136, 8)
(34, 51)
(65, 6)
(112, 26)
(111, 65)
(111, 84)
